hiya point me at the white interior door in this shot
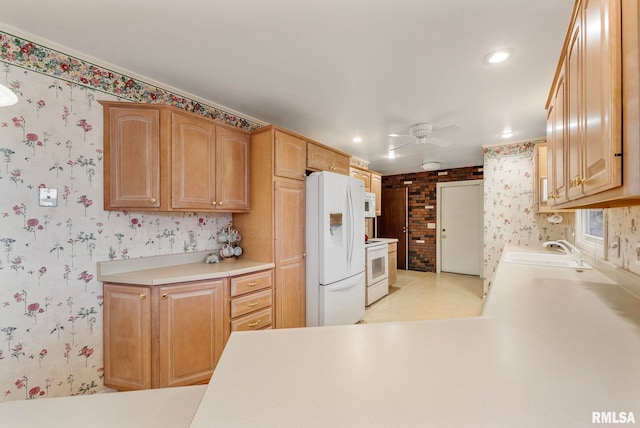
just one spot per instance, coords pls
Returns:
(460, 223)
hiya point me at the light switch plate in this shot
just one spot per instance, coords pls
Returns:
(48, 197)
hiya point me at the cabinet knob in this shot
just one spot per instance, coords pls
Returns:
(143, 296)
(213, 203)
(255, 323)
(153, 200)
(164, 296)
(220, 203)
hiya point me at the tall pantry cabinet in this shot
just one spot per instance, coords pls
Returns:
(277, 220)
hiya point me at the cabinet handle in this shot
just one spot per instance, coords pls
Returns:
(164, 296)
(252, 304)
(255, 323)
(153, 200)
(251, 284)
(213, 203)
(220, 203)
(143, 296)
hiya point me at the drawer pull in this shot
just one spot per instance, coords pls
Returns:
(252, 304)
(255, 323)
(254, 283)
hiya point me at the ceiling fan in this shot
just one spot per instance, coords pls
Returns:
(421, 133)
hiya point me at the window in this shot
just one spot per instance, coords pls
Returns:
(591, 231)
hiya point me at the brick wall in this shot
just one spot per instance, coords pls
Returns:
(422, 192)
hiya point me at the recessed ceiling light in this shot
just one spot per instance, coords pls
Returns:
(507, 134)
(498, 56)
(391, 155)
(357, 140)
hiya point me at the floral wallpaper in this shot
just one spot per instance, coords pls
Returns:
(508, 200)
(508, 205)
(50, 301)
(624, 222)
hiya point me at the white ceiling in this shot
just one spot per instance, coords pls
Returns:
(334, 69)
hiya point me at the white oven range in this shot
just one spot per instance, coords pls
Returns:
(377, 270)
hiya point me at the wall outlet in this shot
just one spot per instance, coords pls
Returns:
(193, 239)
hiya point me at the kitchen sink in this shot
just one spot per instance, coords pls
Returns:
(547, 259)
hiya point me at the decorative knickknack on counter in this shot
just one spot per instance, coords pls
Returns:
(229, 238)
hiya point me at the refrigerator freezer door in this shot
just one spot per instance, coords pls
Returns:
(342, 303)
(341, 223)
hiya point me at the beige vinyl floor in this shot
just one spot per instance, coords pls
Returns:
(428, 296)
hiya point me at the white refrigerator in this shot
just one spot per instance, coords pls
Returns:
(335, 249)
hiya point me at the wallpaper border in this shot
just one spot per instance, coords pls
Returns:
(515, 149)
(18, 51)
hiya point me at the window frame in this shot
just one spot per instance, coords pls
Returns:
(589, 243)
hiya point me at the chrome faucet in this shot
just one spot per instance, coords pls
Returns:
(559, 244)
(571, 250)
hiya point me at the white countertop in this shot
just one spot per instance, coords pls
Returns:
(166, 407)
(175, 268)
(552, 346)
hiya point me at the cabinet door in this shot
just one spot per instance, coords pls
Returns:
(602, 104)
(132, 158)
(340, 163)
(232, 169)
(574, 124)
(556, 140)
(376, 187)
(193, 163)
(290, 293)
(191, 332)
(319, 158)
(127, 336)
(290, 156)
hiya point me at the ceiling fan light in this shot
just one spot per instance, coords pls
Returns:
(430, 166)
(7, 96)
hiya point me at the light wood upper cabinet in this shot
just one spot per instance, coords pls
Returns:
(162, 336)
(193, 163)
(364, 176)
(132, 158)
(372, 183)
(232, 169)
(290, 156)
(160, 158)
(594, 152)
(556, 129)
(376, 187)
(323, 158)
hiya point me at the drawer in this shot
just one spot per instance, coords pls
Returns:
(251, 282)
(250, 302)
(254, 321)
(393, 246)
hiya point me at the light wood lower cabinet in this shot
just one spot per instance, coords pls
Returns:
(393, 262)
(163, 336)
(251, 301)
